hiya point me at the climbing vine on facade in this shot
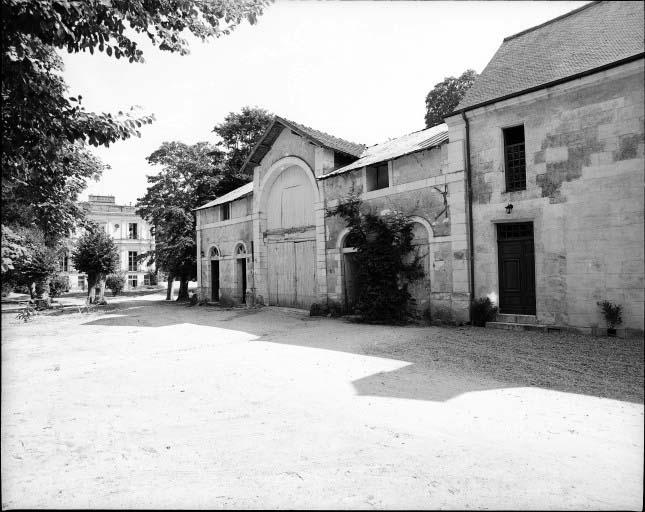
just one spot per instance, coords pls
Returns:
(385, 257)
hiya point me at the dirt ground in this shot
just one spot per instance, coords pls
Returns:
(162, 405)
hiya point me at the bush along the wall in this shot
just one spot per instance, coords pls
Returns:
(58, 285)
(385, 259)
(482, 311)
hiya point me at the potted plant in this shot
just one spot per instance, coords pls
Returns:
(613, 315)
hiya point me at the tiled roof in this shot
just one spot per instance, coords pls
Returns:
(329, 141)
(231, 196)
(324, 139)
(410, 143)
(595, 35)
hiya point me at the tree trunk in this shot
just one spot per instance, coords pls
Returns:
(102, 292)
(91, 285)
(183, 289)
(171, 278)
(32, 290)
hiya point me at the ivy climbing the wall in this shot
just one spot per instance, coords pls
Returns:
(385, 257)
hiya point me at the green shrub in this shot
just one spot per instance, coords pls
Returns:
(58, 285)
(334, 309)
(482, 310)
(613, 313)
(116, 282)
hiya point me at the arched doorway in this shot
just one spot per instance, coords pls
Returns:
(349, 272)
(214, 258)
(287, 204)
(420, 288)
(240, 271)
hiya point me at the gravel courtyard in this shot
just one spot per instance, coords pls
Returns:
(162, 405)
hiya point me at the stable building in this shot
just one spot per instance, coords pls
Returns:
(531, 194)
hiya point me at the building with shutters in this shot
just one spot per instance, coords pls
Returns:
(130, 233)
(531, 193)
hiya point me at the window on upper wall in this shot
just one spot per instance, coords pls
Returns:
(133, 231)
(226, 211)
(514, 158)
(377, 177)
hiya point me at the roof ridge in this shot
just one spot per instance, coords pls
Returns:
(319, 131)
(552, 20)
(404, 135)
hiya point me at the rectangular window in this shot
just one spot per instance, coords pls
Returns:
(226, 211)
(133, 264)
(514, 158)
(132, 281)
(81, 282)
(63, 264)
(132, 231)
(377, 177)
(146, 280)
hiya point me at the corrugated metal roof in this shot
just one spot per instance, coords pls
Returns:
(263, 146)
(231, 196)
(595, 35)
(410, 143)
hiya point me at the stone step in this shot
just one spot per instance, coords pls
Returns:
(514, 326)
(516, 319)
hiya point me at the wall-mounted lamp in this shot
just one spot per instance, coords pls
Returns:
(509, 208)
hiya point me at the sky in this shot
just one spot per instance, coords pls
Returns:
(356, 70)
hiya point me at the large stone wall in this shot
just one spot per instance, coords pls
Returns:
(584, 194)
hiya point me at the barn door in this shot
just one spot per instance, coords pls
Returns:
(350, 284)
(516, 268)
(305, 273)
(292, 273)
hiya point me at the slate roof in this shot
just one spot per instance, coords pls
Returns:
(404, 145)
(263, 146)
(231, 196)
(594, 35)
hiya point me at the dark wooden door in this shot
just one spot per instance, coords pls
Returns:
(215, 280)
(516, 268)
(241, 272)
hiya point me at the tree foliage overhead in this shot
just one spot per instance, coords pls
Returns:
(45, 130)
(445, 96)
(385, 260)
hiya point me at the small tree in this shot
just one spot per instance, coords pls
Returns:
(58, 284)
(96, 254)
(385, 260)
(445, 96)
(116, 282)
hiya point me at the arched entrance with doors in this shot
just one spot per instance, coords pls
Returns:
(214, 267)
(289, 192)
(240, 271)
(420, 289)
(349, 271)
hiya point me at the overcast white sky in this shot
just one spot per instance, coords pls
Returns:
(357, 70)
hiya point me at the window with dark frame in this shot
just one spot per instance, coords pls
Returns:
(132, 261)
(132, 281)
(226, 211)
(377, 177)
(132, 231)
(514, 158)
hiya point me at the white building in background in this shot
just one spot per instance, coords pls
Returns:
(131, 234)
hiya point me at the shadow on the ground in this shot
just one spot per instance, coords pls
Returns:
(443, 362)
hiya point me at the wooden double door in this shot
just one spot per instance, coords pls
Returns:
(516, 255)
(292, 273)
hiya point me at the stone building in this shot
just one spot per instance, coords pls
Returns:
(531, 193)
(130, 233)
(271, 241)
(553, 128)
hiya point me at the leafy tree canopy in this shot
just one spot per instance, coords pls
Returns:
(445, 96)
(45, 130)
(96, 254)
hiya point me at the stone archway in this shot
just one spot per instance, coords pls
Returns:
(286, 205)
